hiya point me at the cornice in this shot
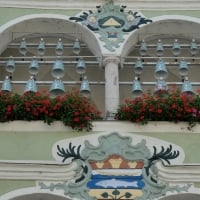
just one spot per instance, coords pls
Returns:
(185, 173)
(37, 171)
(81, 4)
(29, 170)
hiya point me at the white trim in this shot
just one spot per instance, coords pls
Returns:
(148, 31)
(44, 171)
(82, 5)
(31, 191)
(100, 126)
(77, 30)
(186, 173)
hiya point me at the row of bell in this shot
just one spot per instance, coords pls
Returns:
(161, 69)
(57, 69)
(161, 86)
(176, 48)
(23, 47)
(57, 87)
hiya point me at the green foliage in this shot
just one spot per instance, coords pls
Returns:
(116, 195)
(72, 109)
(168, 107)
(70, 152)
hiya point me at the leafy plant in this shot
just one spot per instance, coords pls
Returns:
(169, 107)
(73, 109)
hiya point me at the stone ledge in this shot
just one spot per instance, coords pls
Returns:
(100, 126)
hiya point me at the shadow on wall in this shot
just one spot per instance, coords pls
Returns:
(182, 197)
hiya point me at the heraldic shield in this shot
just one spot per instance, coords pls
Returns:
(113, 168)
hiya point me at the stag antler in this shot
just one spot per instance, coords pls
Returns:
(70, 152)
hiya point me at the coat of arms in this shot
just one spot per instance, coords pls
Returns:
(111, 22)
(115, 170)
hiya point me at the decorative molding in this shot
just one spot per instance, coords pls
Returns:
(111, 22)
(111, 59)
(31, 170)
(111, 155)
(189, 173)
(101, 126)
(80, 4)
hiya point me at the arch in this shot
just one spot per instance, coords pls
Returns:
(32, 193)
(163, 27)
(184, 196)
(47, 23)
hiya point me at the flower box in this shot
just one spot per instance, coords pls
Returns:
(100, 126)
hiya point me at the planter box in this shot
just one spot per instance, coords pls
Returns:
(100, 126)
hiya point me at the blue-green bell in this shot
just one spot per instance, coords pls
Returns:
(183, 68)
(31, 85)
(58, 69)
(187, 88)
(143, 48)
(136, 88)
(193, 48)
(57, 88)
(161, 86)
(85, 87)
(81, 67)
(23, 47)
(41, 47)
(161, 69)
(10, 65)
(76, 47)
(159, 48)
(138, 69)
(6, 85)
(176, 48)
(34, 66)
(59, 47)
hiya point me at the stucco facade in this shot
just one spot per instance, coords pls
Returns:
(31, 163)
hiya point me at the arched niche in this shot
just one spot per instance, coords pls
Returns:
(46, 23)
(167, 28)
(163, 27)
(51, 27)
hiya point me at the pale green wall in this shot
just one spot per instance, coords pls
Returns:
(38, 146)
(30, 146)
(10, 185)
(7, 14)
(189, 142)
(149, 14)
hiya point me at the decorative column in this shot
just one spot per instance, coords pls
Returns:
(111, 86)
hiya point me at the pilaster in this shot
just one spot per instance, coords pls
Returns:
(111, 85)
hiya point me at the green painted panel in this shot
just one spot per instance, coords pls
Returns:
(7, 14)
(189, 142)
(149, 14)
(197, 185)
(30, 146)
(10, 185)
(38, 146)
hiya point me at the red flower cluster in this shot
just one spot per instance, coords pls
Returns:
(72, 109)
(169, 107)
